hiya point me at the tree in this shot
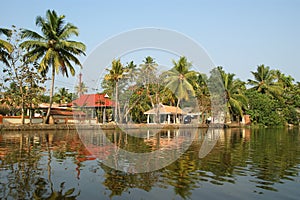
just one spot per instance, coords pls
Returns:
(5, 47)
(53, 48)
(23, 77)
(179, 79)
(202, 95)
(116, 73)
(265, 82)
(237, 102)
(62, 96)
(148, 75)
(263, 109)
(81, 89)
(284, 81)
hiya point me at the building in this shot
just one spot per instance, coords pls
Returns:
(96, 106)
(164, 114)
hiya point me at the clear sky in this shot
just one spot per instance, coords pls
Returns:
(237, 34)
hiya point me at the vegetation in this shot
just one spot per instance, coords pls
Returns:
(25, 84)
(53, 48)
(271, 98)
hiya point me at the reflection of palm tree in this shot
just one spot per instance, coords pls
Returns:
(265, 81)
(41, 190)
(53, 47)
(5, 47)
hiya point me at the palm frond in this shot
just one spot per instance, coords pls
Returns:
(25, 33)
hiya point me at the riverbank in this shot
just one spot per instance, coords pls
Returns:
(110, 126)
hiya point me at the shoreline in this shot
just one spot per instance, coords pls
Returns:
(42, 127)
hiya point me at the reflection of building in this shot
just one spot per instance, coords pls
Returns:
(164, 114)
(92, 104)
(165, 139)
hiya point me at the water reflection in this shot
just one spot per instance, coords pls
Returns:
(242, 162)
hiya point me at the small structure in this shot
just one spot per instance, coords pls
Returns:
(94, 105)
(61, 114)
(164, 114)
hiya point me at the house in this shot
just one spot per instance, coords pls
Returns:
(164, 114)
(60, 113)
(95, 106)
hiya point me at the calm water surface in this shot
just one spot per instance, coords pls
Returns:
(243, 164)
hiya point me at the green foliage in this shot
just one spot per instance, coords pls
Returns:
(267, 81)
(23, 85)
(53, 48)
(264, 110)
(6, 47)
(62, 96)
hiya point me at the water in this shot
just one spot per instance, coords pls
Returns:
(240, 164)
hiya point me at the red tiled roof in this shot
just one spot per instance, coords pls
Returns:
(93, 100)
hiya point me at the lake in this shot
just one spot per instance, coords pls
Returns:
(151, 164)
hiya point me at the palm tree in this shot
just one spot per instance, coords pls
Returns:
(5, 47)
(284, 81)
(147, 72)
(149, 65)
(179, 79)
(236, 101)
(116, 73)
(53, 47)
(62, 96)
(265, 81)
(81, 89)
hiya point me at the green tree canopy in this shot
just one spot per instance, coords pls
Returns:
(53, 48)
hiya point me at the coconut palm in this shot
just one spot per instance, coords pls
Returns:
(81, 89)
(53, 48)
(149, 65)
(284, 81)
(148, 75)
(116, 73)
(265, 81)
(62, 96)
(5, 47)
(236, 101)
(179, 79)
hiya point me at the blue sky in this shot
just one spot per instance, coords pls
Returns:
(237, 34)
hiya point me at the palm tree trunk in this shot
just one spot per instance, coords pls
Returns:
(22, 108)
(51, 97)
(116, 103)
(176, 114)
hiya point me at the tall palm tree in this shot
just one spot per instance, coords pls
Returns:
(179, 79)
(265, 81)
(116, 73)
(148, 74)
(149, 65)
(236, 101)
(81, 89)
(53, 48)
(5, 47)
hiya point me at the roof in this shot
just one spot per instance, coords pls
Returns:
(66, 112)
(163, 109)
(93, 100)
